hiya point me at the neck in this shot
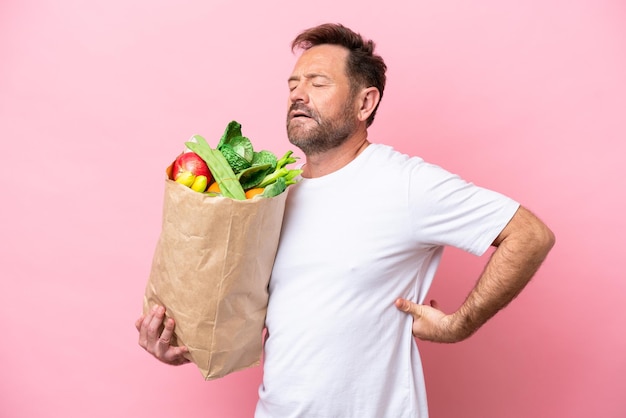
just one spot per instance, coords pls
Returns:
(318, 165)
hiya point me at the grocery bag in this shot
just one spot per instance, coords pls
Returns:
(211, 269)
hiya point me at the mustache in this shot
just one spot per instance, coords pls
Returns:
(300, 109)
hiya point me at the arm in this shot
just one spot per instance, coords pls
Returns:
(521, 248)
(158, 343)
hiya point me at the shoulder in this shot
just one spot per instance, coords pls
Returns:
(386, 157)
(382, 154)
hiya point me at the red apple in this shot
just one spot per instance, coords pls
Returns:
(190, 161)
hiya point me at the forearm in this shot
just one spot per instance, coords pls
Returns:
(519, 253)
(521, 248)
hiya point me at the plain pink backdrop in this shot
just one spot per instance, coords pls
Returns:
(97, 97)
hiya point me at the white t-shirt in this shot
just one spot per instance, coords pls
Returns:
(352, 242)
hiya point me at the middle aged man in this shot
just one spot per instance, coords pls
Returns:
(362, 237)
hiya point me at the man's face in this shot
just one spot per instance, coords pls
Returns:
(321, 109)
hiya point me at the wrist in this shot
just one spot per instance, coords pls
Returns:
(462, 324)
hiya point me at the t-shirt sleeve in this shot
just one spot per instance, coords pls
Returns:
(447, 210)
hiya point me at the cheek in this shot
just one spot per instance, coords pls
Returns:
(323, 105)
(331, 103)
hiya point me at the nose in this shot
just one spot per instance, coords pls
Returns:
(299, 94)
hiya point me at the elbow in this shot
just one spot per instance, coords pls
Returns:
(542, 237)
(527, 233)
(545, 239)
(551, 238)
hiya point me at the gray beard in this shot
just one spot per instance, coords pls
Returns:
(328, 134)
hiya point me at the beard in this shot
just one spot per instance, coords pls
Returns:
(328, 133)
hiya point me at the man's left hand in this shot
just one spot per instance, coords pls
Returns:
(430, 323)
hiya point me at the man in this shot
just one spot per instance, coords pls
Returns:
(362, 236)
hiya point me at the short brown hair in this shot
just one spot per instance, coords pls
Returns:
(364, 68)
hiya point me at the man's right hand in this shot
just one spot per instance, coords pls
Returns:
(149, 326)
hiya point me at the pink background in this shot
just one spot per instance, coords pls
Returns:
(97, 97)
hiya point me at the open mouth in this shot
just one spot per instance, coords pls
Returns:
(298, 112)
(296, 116)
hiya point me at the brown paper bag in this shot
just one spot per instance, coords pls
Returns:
(210, 270)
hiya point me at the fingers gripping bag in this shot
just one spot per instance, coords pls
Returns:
(215, 253)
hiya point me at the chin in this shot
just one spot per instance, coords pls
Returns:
(298, 141)
(299, 131)
(304, 142)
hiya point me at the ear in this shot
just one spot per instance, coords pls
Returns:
(368, 100)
